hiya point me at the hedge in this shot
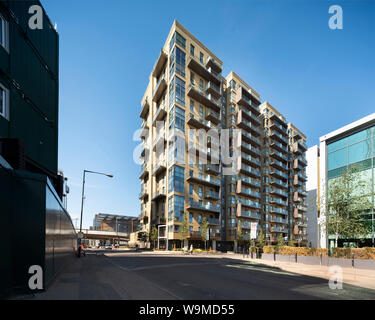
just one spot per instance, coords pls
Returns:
(359, 253)
(366, 253)
(301, 251)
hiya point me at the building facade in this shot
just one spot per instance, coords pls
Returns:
(351, 145)
(115, 223)
(313, 195)
(187, 96)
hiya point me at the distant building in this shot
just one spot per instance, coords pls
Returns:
(313, 195)
(116, 223)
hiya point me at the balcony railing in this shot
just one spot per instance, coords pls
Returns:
(205, 206)
(250, 158)
(250, 181)
(250, 214)
(205, 178)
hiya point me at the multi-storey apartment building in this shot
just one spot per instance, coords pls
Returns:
(186, 92)
(275, 173)
(297, 184)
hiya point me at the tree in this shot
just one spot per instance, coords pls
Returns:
(291, 242)
(280, 241)
(154, 235)
(204, 227)
(239, 235)
(347, 199)
(260, 240)
(184, 228)
(143, 236)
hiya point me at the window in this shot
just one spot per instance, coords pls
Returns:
(200, 192)
(191, 189)
(178, 207)
(190, 217)
(192, 50)
(177, 62)
(180, 91)
(191, 105)
(4, 32)
(201, 57)
(360, 151)
(337, 145)
(177, 119)
(201, 84)
(180, 40)
(201, 111)
(192, 78)
(4, 102)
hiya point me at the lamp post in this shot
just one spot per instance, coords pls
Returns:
(83, 191)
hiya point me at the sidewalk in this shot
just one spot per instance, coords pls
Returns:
(357, 277)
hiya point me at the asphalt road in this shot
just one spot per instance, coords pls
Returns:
(165, 277)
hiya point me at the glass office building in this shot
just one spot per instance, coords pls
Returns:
(351, 146)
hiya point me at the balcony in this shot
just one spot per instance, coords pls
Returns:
(213, 222)
(212, 195)
(250, 116)
(145, 108)
(204, 179)
(144, 172)
(246, 191)
(213, 116)
(214, 64)
(279, 229)
(195, 235)
(278, 210)
(278, 174)
(279, 146)
(159, 141)
(246, 125)
(278, 182)
(247, 213)
(248, 137)
(278, 136)
(249, 160)
(213, 89)
(212, 168)
(203, 98)
(207, 73)
(249, 203)
(278, 201)
(278, 164)
(302, 145)
(278, 155)
(199, 123)
(247, 99)
(209, 153)
(143, 194)
(159, 64)
(297, 198)
(204, 206)
(159, 195)
(249, 181)
(279, 127)
(279, 192)
(249, 171)
(248, 148)
(279, 220)
(144, 130)
(159, 89)
(160, 114)
(159, 167)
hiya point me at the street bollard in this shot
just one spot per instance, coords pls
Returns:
(352, 260)
(295, 257)
(251, 254)
(274, 256)
(321, 258)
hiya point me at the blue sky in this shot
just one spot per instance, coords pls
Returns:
(320, 79)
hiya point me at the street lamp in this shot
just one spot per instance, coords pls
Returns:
(83, 191)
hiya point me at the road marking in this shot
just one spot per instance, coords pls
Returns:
(263, 269)
(153, 283)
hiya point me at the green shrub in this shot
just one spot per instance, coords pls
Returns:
(341, 253)
(269, 249)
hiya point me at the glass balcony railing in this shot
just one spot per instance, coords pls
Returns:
(206, 178)
(250, 147)
(205, 206)
(249, 203)
(250, 192)
(279, 163)
(250, 158)
(250, 181)
(250, 136)
(250, 214)
(280, 211)
(279, 192)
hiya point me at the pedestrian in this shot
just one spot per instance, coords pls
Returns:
(191, 249)
(83, 250)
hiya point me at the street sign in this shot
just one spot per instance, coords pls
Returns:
(80, 235)
(253, 230)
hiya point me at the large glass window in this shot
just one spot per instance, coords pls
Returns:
(180, 40)
(337, 145)
(177, 62)
(360, 151)
(359, 136)
(337, 159)
(180, 91)
(4, 102)
(3, 32)
(176, 179)
(177, 119)
(178, 207)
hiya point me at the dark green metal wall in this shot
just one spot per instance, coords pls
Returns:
(32, 62)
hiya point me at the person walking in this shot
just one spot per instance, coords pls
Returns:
(191, 249)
